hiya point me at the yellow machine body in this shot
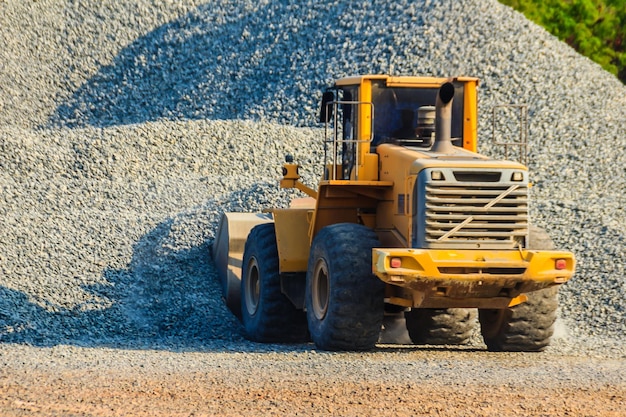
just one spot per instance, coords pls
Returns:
(429, 203)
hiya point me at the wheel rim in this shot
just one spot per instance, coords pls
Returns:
(252, 287)
(320, 289)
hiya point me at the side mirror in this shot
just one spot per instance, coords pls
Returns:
(326, 109)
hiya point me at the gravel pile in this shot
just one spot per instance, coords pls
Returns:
(127, 128)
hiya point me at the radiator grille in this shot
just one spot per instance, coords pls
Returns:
(475, 214)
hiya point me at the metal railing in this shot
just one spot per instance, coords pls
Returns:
(522, 131)
(340, 154)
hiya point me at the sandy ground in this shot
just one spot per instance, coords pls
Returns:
(69, 381)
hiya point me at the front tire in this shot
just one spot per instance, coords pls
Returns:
(267, 314)
(345, 301)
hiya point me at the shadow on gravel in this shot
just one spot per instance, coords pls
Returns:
(201, 66)
(167, 299)
(225, 62)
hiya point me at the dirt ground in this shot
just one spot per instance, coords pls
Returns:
(80, 394)
(408, 383)
(193, 395)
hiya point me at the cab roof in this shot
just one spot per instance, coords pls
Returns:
(401, 81)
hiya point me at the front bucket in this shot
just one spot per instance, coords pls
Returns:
(227, 251)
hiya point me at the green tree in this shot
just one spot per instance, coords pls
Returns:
(595, 28)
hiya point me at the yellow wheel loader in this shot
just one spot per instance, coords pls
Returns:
(407, 220)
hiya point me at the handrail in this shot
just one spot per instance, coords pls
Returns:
(522, 143)
(335, 142)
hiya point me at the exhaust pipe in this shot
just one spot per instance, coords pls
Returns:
(443, 120)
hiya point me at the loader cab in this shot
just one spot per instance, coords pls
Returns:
(363, 112)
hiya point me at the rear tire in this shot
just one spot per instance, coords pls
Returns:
(447, 326)
(526, 327)
(345, 301)
(267, 314)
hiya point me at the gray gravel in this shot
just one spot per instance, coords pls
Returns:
(126, 128)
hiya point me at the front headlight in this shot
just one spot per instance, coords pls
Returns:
(436, 175)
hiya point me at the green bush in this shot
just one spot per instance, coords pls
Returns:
(595, 28)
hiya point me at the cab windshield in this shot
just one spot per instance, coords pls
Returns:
(397, 112)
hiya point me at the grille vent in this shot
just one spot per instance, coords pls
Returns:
(479, 213)
(466, 176)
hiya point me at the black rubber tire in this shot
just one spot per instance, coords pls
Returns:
(345, 301)
(266, 313)
(526, 327)
(445, 326)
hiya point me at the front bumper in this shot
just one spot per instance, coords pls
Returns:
(468, 278)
